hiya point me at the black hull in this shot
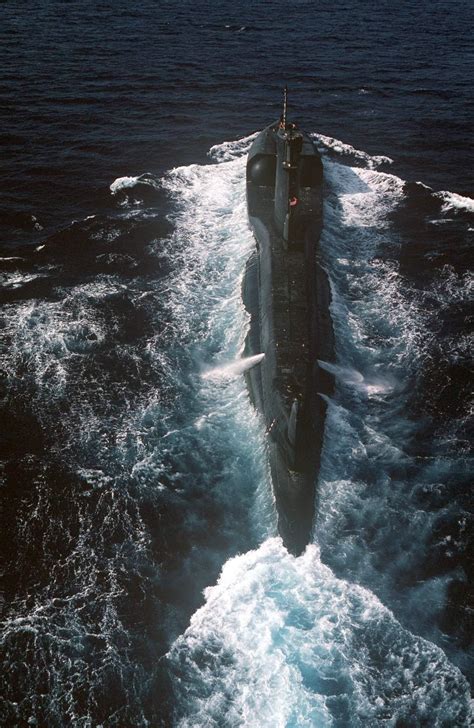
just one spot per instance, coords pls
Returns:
(287, 294)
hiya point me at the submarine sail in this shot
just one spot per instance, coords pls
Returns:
(286, 292)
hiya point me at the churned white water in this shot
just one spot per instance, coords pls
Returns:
(345, 635)
(283, 641)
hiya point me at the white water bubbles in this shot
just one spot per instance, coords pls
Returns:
(453, 201)
(152, 474)
(282, 643)
(208, 323)
(47, 334)
(378, 328)
(212, 242)
(373, 526)
(346, 151)
(227, 151)
(124, 183)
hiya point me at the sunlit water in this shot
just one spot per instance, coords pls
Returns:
(134, 468)
(172, 468)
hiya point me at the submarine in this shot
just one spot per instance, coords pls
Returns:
(287, 294)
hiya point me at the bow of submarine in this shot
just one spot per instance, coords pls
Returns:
(287, 294)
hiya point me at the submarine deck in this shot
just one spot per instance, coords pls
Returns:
(286, 310)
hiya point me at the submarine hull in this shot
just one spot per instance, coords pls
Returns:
(287, 294)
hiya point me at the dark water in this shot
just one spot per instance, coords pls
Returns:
(133, 466)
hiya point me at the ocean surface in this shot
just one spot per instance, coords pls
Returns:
(144, 581)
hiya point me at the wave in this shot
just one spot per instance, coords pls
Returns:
(227, 151)
(348, 152)
(453, 201)
(376, 523)
(281, 641)
(370, 526)
(125, 183)
(143, 449)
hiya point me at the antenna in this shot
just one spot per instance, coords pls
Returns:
(285, 104)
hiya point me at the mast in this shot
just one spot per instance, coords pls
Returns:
(289, 143)
(285, 105)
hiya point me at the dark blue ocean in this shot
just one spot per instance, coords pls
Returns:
(144, 581)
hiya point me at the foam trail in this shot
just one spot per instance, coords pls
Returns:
(123, 183)
(286, 642)
(163, 461)
(453, 201)
(346, 150)
(282, 643)
(227, 151)
(179, 480)
(234, 369)
(387, 490)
